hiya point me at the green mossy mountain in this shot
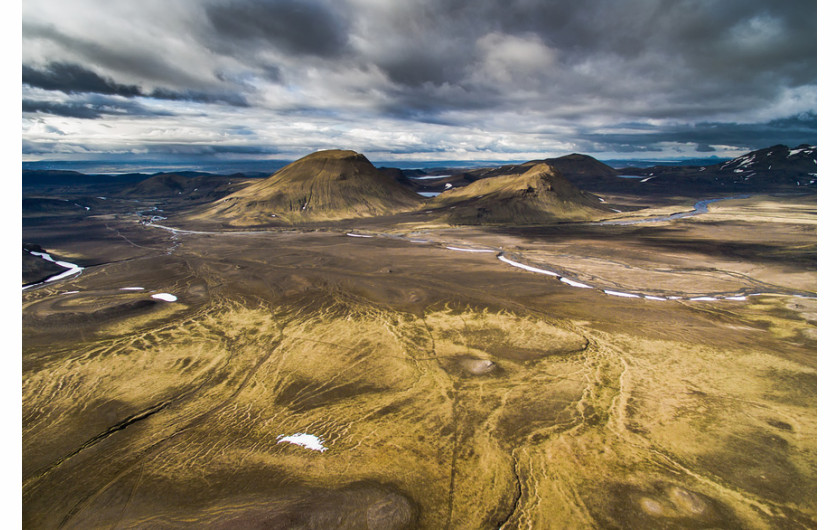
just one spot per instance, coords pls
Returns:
(323, 186)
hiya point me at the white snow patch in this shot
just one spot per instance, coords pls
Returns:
(736, 298)
(69, 272)
(72, 268)
(647, 179)
(616, 211)
(447, 186)
(103, 198)
(70, 292)
(527, 267)
(602, 200)
(807, 151)
(310, 441)
(649, 297)
(166, 297)
(43, 255)
(703, 299)
(357, 235)
(131, 288)
(469, 249)
(575, 284)
(625, 295)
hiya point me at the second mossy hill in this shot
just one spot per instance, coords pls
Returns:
(323, 186)
(539, 195)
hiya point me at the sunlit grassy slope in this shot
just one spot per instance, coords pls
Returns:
(326, 185)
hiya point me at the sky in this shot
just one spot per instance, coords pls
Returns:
(198, 80)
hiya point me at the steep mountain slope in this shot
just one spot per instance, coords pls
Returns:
(323, 186)
(541, 194)
(773, 166)
(772, 169)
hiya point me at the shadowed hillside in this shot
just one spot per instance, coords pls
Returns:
(539, 195)
(576, 166)
(326, 185)
(188, 185)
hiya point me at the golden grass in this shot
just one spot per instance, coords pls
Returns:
(490, 398)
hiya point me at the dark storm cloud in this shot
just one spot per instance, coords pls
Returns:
(91, 107)
(72, 78)
(68, 110)
(230, 98)
(789, 131)
(121, 56)
(75, 79)
(295, 26)
(617, 52)
(505, 74)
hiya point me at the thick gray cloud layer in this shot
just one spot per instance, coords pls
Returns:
(435, 78)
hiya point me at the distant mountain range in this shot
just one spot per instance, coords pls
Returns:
(773, 169)
(338, 184)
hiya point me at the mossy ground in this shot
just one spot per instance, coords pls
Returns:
(451, 390)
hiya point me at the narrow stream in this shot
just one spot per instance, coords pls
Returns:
(700, 207)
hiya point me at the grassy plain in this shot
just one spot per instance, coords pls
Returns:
(451, 390)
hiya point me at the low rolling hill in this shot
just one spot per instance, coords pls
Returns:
(187, 185)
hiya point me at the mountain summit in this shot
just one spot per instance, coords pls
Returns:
(323, 186)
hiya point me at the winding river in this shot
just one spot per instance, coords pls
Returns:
(700, 207)
(72, 269)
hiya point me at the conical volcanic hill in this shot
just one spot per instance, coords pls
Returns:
(539, 195)
(576, 165)
(323, 186)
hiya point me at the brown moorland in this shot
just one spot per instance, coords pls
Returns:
(673, 387)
